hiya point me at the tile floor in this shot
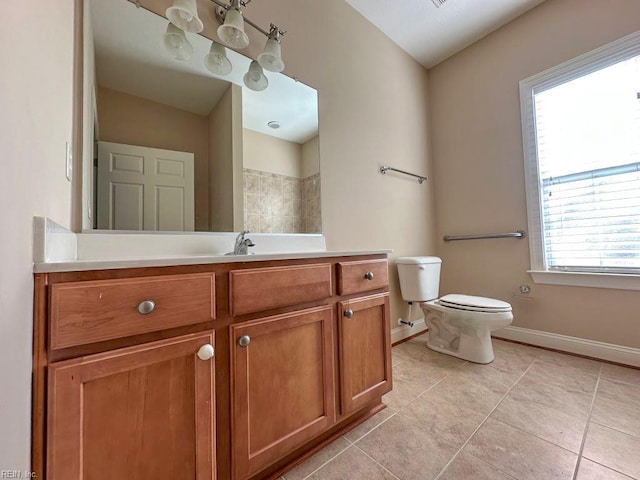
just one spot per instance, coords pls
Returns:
(530, 414)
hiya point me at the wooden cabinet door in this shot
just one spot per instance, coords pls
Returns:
(140, 412)
(282, 386)
(364, 349)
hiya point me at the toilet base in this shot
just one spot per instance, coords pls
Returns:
(463, 334)
(482, 356)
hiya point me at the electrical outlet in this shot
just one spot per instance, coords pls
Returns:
(69, 162)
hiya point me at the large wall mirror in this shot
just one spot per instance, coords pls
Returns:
(170, 146)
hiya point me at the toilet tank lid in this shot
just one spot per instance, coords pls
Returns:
(417, 260)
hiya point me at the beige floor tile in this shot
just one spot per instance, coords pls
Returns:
(416, 349)
(491, 375)
(620, 392)
(613, 449)
(621, 374)
(368, 425)
(520, 454)
(397, 358)
(514, 354)
(352, 464)
(589, 470)
(468, 467)
(619, 415)
(402, 394)
(570, 379)
(553, 395)
(555, 426)
(317, 460)
(570, 362)
(440, 417)
(468, 392)
(420, 373)
(407, 450)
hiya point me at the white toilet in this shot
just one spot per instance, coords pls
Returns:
(459, 325)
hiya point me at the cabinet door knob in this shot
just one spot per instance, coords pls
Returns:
(206, 352)
(244, 340)
(146, 307)
(348, 313)
(368, 275)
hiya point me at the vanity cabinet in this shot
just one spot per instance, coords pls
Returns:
(140, 412)
(126, 383)
(283, 390)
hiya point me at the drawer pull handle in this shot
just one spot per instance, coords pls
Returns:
(206, 352)
(244, 340)
(146, 307)
(368, 275)
(348, 313)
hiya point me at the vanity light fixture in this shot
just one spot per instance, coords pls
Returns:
(255, 78)
(231, 32)
(184, 15)
(271, 57)
(216, 61)
(176, 43)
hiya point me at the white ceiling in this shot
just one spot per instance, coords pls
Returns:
(431, 34)
(130, 58)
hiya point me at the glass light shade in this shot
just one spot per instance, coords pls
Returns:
(231, 32)
(254, 79)
(176, 43)
(216, 61)
(184, 15)
(271, 57)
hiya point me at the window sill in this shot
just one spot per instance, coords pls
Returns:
(593, 280)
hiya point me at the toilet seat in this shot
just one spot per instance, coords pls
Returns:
(474, 304)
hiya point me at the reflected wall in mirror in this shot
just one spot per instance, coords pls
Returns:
(170, 146)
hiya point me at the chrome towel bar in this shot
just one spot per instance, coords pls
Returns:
(517, 234)
(385, 169)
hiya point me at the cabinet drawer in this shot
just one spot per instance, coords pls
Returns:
(360, 276)
(94, 311)
(258, 289)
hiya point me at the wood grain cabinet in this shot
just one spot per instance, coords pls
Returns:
(364, 347)
(283, 393)
(126, 384)
(140, 412)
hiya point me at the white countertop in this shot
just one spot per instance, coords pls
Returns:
(84, 265)
(56, 249)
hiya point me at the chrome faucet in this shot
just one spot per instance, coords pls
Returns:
(242, 244)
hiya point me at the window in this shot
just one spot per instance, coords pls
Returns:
(581, 132)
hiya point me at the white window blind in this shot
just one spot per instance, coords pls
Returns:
(588, 151)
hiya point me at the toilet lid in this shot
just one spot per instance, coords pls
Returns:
(475, 304)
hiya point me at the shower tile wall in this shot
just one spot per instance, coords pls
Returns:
(281, 204)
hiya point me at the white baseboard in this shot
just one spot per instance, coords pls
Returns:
(404, 331)
(581, 346)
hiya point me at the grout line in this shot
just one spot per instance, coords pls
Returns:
(337, 454)
(376, 462)
(586, 427)
(483, 422)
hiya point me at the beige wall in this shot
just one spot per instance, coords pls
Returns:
(369, 117)
(270, 154)
(478, 166)
(221, 165)
(133, 120)
(36, 86)
(310, 157)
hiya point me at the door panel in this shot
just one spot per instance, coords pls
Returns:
(364, 347)
(139, 412)
(282, 393)
(136, 181)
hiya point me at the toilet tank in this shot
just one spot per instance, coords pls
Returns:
(419, 278)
